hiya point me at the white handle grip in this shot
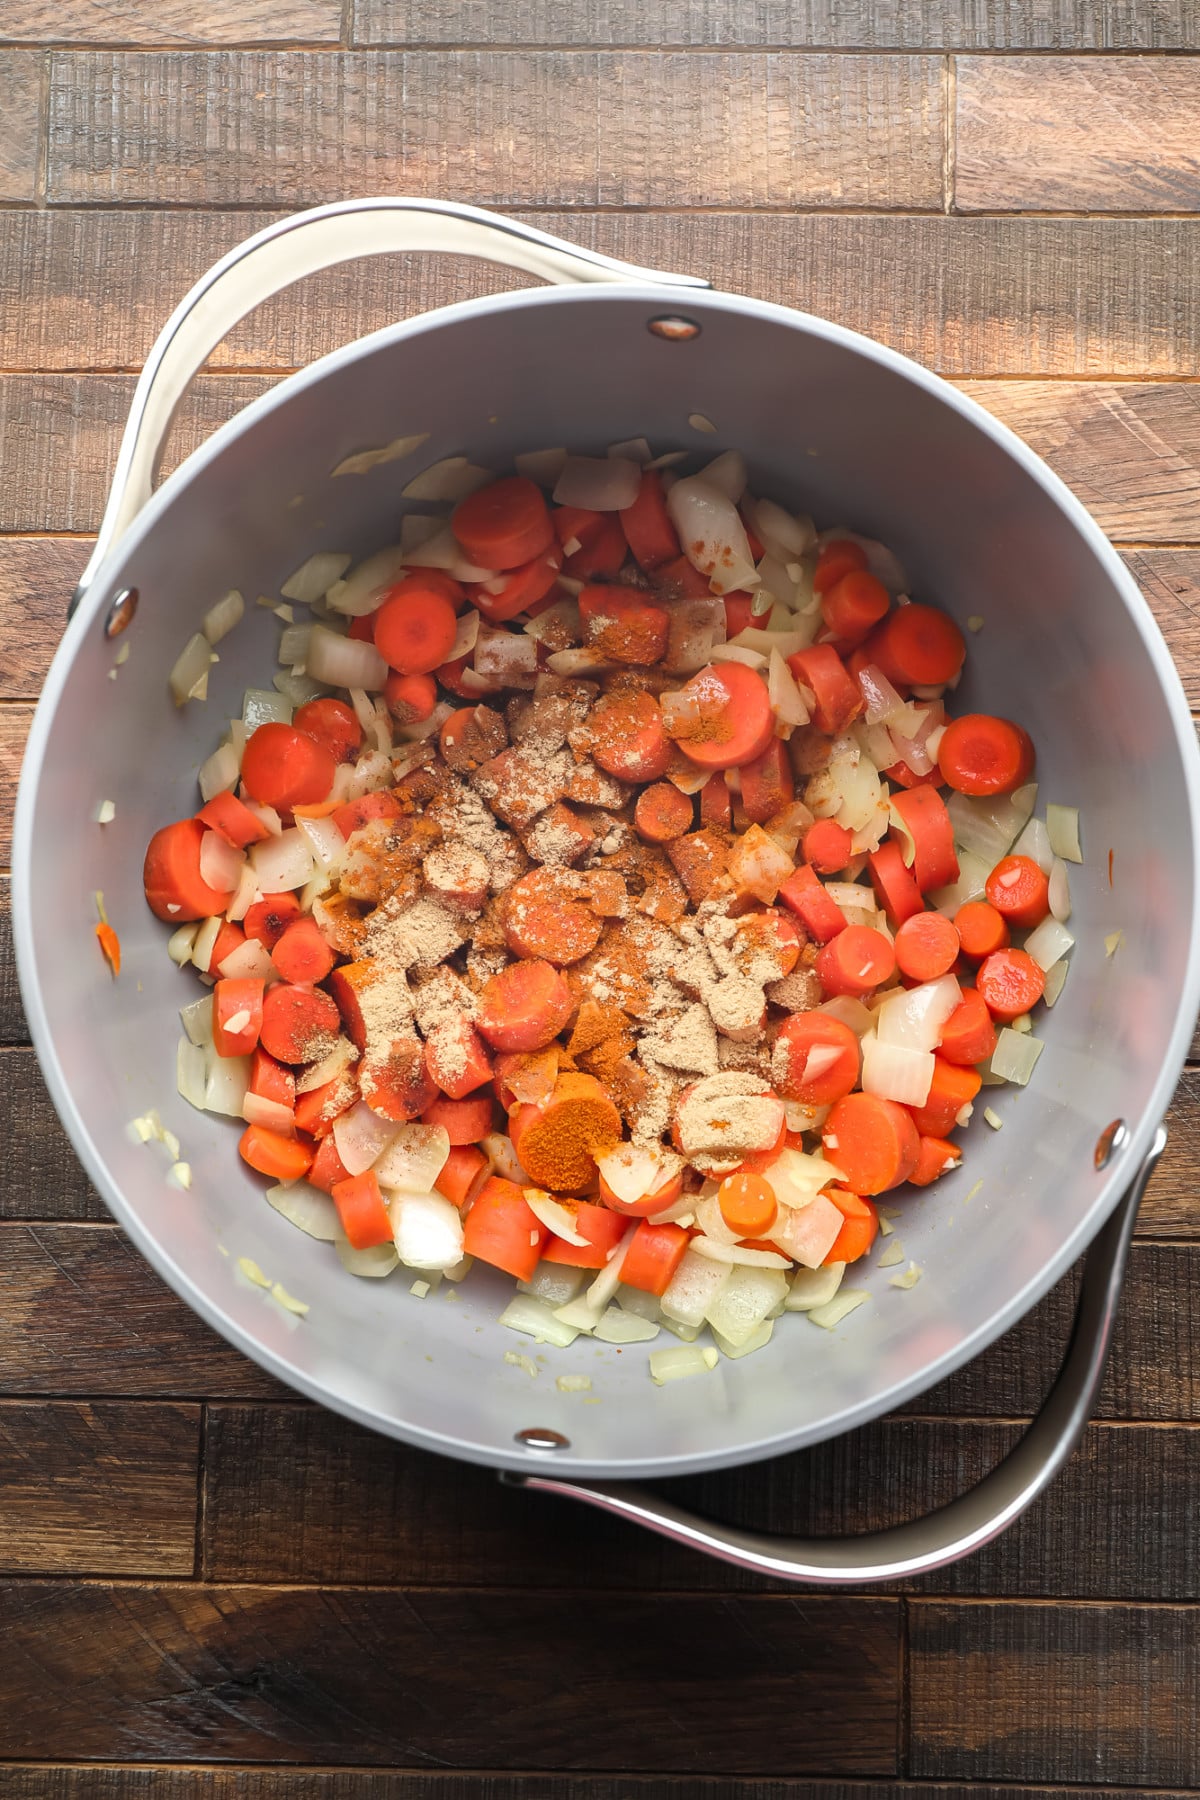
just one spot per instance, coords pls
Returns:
(284, 253)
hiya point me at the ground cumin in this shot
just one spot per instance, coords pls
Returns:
(578, 1125)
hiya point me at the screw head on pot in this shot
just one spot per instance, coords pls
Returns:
(1114, 1137)
(120, 613)
(673, 328)
(540, 1437)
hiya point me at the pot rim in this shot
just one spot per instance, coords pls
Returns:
(1115, 1180)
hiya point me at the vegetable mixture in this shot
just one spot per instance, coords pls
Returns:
(605, 893)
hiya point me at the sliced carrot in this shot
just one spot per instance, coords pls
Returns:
(576, 524)
(360, 1207)
(450, 676)
(853, 606)
(560, 1142)
(502, 1230)
(319, 1109)
(815, 1059)
(394, 1080)
(681, 580)
(327, 1167)
(821, 917)
(856, 962)
(234, 820)
(415, 626)
(769, 934)
(302, 955)
(457, 1059)
(281, 767)
(269, 918)
(663, 813)
(110, 944)
(467, 1120)
(346, 984)
(332, 723)
(542, 922)
(629, 738)
(362, 629)
(918, 646)
(926, 946)
(1019, 891)
(270, 1080)
(838, 558)
(736, 723)
(352, 815)
(602, 1229)
(299, 1024)
(860, 1229)
(518, 590)
(524, 1007)
(504, 524)
(872, 1142)
(982, 755)
(230, 937)
(624, 626)
(175, 889)
(237, 1014)
(647, 524)
(739, 612)
(748, 1204)
(952, 1088)
(768, 784)
(533, 1072)
(410, 698)
(654, 1254)
(1010, 983)
(602, 555)
(460, 1172)
(935, 861)
(968, 1036)
(936, 1157)
(646, 1205)
(827, 846)
(838, 697)
(894, 884)
(981, 929)
(716, 803)
(282, 1158)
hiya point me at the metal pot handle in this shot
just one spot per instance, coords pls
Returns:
(953, 1531)
(284, 253)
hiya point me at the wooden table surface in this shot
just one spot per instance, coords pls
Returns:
(209, 1588)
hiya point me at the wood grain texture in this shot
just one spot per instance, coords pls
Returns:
(804, 24)
(37, 576)
(305, 1496)
(43, 1177)
(44, 1781)
(98, 1489)
(83, 1313)
(471, 1680)
(1170, 580)
(13, 1029)
(286, 128)
(199, 22)
(91, 289)
(21, 77)
(14, 729)
(1116, 134)
(1054, 1693)
(1172, 1204)
(1131, 452)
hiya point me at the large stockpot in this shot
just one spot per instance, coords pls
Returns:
(830, 423)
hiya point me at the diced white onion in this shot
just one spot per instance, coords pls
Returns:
(283, 863)
(737, 1254)
(293, 644)
(542, 466)
(220, 864)
(228, 1078)
(987, 827)
(250, 961)
(794, 536)
(558, 621)
(219, 772)
(1015, 1055)
(1059, 890)
(608, 1279)
(634, 1171)
(1048, 942)
(840, 1307)
(712, 534)
(191, 1072)
(244, 896)
(1055, 982)
(364, 587)
(361, 1137)
(273, 1115)
(537, 1319)
(728, 473)
(188, 679)
(1034, 842)
(598, 483)
(553, 1283)
(681, 1360)
(373, 1264)
(1062, 823)
(414, 1159)
(895, 1073)
(753, 659)
(883, 702)
(697, 626)
(913, 1018)
(973, 872)
(427, 1230)
(299, 689)
(453, 478)
(814, 1287)
(851, 1012)
(196, 1019)
(443, 551)
(307, 1208)
(320, 1074)
(363, 460)
(506, 659)
(417, 529)
(556, 1217)
(620, 1327)
(783, 693)
(324, 840)
(179, 944)
(631, 450)
(345, 662)
(223, 615)
(262, 706)
(310, 581)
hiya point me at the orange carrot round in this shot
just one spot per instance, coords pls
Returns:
(815, 1059)
(415, 627)
(362, 1212)
(504, 524)
(299, 1024)
(860, 1227)
(647, 524)
(918, 646)
(234, 820)
(524, 1007)
(501, 1229)
(602, 1229)
(332, 723)
(968, 1036)
(662, 813)
(981, 929)
(856, 962)
(560, 1141)
(460, 1172)
(748, 1204)
(395, 1082)
(466, 1120)
(768, 783)
(894, 883)
(654, 1254)
(410, 698)
(237, 1015)
(952, 1088)
(936, 1158)
(982, 755)
(1010, 983)
(629, 738)
(838, 698)
(872, 1142)
(838, 558)
(935, 860)
(282, 1158)
(827, 846)
(927, 946)
(518, 590)
(736, 723)
(269, 918)
(853, 606)
(301, 954)
(1019, 891)
(623, 625)
(175, 889)
(281, 767)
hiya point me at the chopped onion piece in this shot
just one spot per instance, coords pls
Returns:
(555, 1283)
(274, 1115)
(1015, 1056)
(191, 1073)
(364, 587)
(527, 1314)
(608, 1280)
(361, 1137)
(787, 643)
(221, 617)
(1062, 823)
(313, 578)
(727, 472)
(559, 621)
(245, 894)
(556, 1217)
(320, 1074)
(250, 961)
(1055, 982)
(840, 1307)
(753, 659)
(196, 1019)
(632, 450)
(443, 551)
(299, 689)
(219, 772)
(324, 840)
(697, 626)
(188, 679)
(851, 1012)
(373, 1264)
(700, 422)
(912, 1018)
(506, 659)
(682, 1360)
(226, 1084)
(1060, 890)
(668, 459)
(1034, 842)
(498, 1149)
(542, 466)
(179, 944)
(987, 827)
(713, 535)
(260, 706)
(427, 1230)
(794, 536)
(598, 483)
(293, 644)
(783, 693)
(814, 1287)
(737, 1254)
(453, 478)
(620, 1327)
(635, 1171)
(413, 1160)
(745, 1303)
(363, 460)
(895, 1073)
(973, 872)
(345, 662)
(220, 864)
(283, 863)
(883, 702)
(1048, 942)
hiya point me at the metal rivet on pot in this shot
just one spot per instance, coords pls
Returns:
(1114, 1137)
(674, 328)
(540, 1437)
(120, 613)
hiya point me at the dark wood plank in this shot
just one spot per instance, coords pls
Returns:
(1172, 1205)
(98, 1489)
(41, 1781)
(1054, 1693)
(306, 1496)
(468, 1680)
(84, 289)
(804, 24)
(83, 1313)
(37, 576)
(1131, 452)
(1085, 134)
(43, 1177)
(21, 79)
(1170, 580)
(15, 720)
(286, 128)
(201, 22)
(13, 1029)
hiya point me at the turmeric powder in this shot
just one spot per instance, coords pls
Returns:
(560, 1142)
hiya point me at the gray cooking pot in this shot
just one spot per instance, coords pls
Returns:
(832, 424)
